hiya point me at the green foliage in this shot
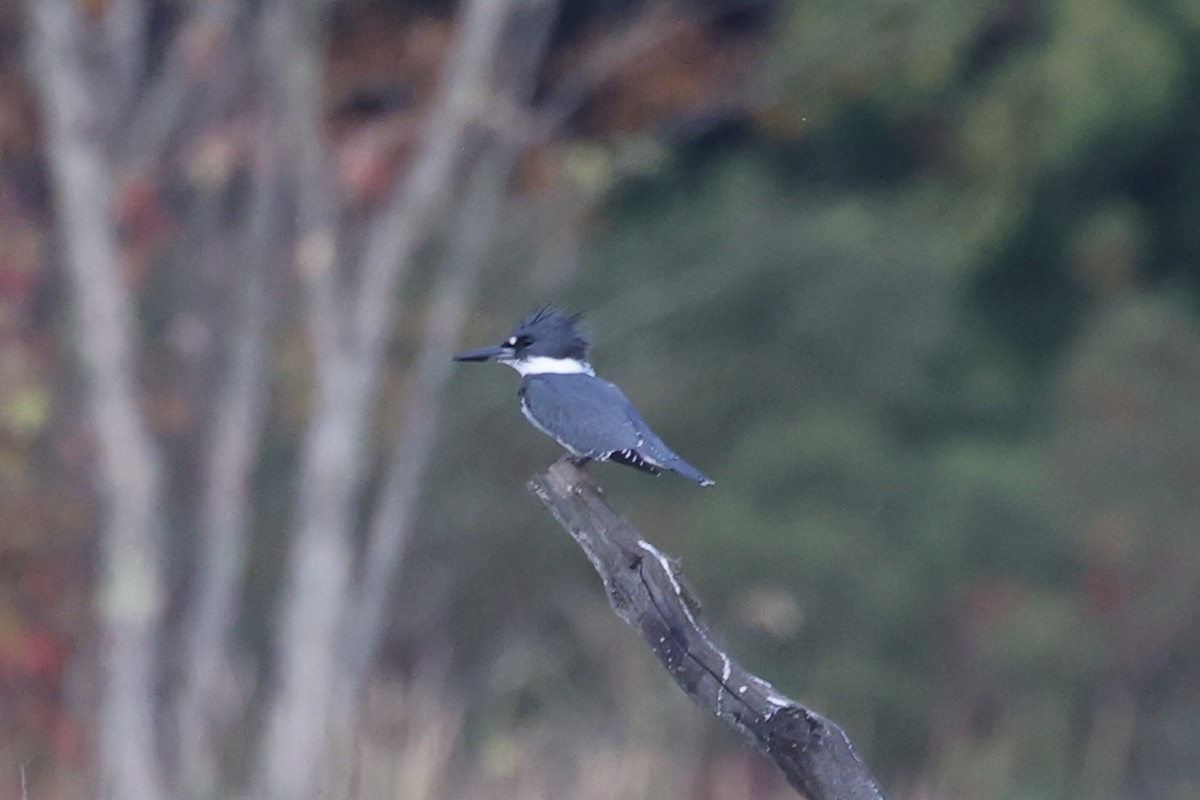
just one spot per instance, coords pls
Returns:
(898, 54)
(1105, 75)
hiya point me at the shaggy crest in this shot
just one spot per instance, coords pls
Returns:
(552, 332)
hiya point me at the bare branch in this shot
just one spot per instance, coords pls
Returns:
(291, 45)
(125, 28)
(647, 590)
(204, 706)
(332, 458)
(348, 365)
(155, 116)
(391, 524)
(639, 35)
(130, 592)
(480, 213)
(423, 195)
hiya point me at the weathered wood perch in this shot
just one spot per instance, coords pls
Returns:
(647, 590)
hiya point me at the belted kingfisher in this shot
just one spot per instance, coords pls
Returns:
(561, 395)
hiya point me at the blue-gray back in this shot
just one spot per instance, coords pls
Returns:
(588, 415)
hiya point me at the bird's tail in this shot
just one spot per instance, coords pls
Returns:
(685, 469)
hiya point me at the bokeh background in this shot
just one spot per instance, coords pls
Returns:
(915, 282)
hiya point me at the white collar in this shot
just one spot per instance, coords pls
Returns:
(544, 365)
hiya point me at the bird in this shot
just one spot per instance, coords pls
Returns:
(561, 395)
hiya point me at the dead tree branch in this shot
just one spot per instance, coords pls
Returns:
(646, 590)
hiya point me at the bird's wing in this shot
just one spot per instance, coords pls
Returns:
(586, 415)
(651, 453)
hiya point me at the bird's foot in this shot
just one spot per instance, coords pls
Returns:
(579, 462)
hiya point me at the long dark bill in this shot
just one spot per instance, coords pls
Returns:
(480, 354)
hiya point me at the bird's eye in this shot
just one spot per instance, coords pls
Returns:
(524, 341)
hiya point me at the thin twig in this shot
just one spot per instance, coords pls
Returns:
(159, 108)
(641, 34)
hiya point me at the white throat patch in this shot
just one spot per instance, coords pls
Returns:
(544, 365)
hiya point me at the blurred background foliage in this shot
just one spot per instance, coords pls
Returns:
(914, 281)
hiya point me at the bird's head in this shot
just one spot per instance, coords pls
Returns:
(548, 340)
